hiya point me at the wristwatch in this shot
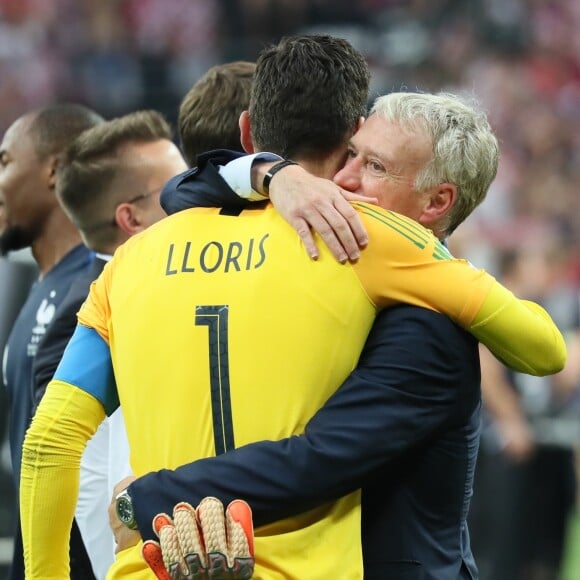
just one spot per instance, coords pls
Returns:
(124, 509)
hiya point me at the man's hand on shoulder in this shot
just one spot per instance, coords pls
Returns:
(206, 542)
(311, 203)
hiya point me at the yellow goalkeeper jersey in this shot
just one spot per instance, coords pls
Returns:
(222, 332)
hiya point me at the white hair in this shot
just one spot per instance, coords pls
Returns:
(465, 150)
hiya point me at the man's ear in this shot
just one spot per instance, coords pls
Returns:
(128, 219)
(245, 132)
(359, 124)
(53, 164)
(439, 203)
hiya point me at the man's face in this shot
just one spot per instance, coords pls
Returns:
(24, 189)
(383, 161)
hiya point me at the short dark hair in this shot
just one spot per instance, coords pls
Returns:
(308, 94)
(54, 127)
(93, 160)
(209, 112)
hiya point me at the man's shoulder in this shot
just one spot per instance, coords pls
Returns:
(71, 265)
(76, 295)
(383, 225)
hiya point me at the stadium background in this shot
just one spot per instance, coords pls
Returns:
(520, 58)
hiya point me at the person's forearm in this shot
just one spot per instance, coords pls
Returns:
(500, 399)
(66, 418)
(520, 333)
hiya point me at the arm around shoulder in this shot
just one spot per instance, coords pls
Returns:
(395, 399)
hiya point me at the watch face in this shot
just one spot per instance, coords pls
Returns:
(125, 510)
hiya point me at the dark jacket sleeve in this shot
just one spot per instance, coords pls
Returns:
(202, 186)
(408, 384)
(59, 332)
(51, 348)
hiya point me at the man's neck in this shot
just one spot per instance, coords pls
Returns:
(59, 236)
(326, 167)
(438, 231)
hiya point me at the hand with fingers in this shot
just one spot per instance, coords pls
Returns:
(311, 203)
(203, 543)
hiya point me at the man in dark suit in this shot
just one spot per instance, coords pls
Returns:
(109, 184)
(404, 426)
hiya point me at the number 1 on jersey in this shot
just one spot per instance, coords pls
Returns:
(216, 320)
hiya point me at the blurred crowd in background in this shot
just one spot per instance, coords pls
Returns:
(519, 58)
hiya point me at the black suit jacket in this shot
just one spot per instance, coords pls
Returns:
(404, 426)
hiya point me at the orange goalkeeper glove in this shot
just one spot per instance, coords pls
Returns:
(203, 543)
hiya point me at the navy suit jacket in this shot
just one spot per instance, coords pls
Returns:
(404, 427)
(54, 342)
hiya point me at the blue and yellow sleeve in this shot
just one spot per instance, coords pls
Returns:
(87, 365)
(66, 419)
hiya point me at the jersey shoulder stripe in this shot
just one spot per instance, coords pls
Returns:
(407, 227)
(404, 226)
(441, 252)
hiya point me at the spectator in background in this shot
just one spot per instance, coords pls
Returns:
(29, 158)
